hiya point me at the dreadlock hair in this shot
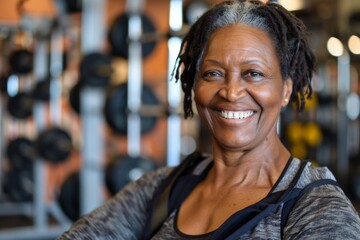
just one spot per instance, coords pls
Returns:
(288, 34)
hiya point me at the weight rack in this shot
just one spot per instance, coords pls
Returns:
(92, 101)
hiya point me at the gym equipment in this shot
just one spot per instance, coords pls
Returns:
(95, 69)
(21, 61)
(21, 105)
(116, 109)
(193, 10)
(119, 32)
(18, 184)
(73, 6)
(125, 169)
(54, 144)
(74, 97)
(41, 91)
(69, 196)
(3, 83)
(119, 172)
(21, 152)
(312, 134)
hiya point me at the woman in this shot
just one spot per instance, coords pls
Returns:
(244, 61)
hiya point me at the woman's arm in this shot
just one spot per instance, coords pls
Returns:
(323, 213)
(121, 217)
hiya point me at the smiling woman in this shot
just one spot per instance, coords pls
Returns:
(243, 60)
(239, 90)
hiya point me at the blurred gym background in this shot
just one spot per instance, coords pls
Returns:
(87, 103)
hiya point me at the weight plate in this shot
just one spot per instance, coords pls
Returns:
(21, 61)
(41, 91)
(74, 97)
(73, 6)
(54, 145)
(193, 10)
(21, 152)
(116, 109)
(69, 196)
(21, 105)
(95, 69)
(18, 184)
(4, 84)
(125, 169)
(118, 36)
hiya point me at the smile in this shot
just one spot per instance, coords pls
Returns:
(236, 115)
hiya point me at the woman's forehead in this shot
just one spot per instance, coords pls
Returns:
(240, 37)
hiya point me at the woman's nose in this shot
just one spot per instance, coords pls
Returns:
(232, 90)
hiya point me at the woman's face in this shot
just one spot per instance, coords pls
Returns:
(239, 91)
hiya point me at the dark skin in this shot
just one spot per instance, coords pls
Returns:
(239, 93)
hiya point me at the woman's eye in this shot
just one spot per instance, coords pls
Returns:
(253, 75)
(212, 74)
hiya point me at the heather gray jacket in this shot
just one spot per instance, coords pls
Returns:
(323, 213)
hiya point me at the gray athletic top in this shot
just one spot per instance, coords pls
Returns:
(323, 213)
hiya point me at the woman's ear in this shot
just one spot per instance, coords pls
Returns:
(287, 90)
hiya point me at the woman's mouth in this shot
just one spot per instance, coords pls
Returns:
(236, 114)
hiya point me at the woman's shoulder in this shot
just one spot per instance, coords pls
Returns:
(322, 211)
(310, 173)
(313, 172)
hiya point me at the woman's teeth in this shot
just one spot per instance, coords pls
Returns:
(236, 115)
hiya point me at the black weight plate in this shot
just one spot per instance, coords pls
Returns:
(18, 184)
(118, 36)
(3, 84)
(125, 169)
(116, 109)
(54, 145)
(21, 105)
(193, 10)
(73, 6)
(41, 91)
(69, 196)
(21, 152)
(95, 69)
(21, 61)
(74, 97)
